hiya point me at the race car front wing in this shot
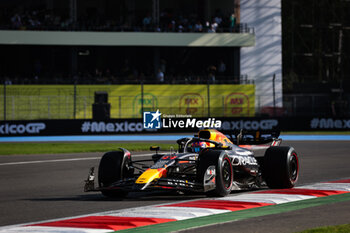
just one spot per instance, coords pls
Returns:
(129, 184)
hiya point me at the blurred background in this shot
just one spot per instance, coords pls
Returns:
(66, 59)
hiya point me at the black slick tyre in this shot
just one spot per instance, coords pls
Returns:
(224, 176)
(111, 169)
(281, 167)
(223, 169)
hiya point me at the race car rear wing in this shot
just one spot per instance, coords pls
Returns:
(257, 137)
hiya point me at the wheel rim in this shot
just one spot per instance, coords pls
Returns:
(293, 168)
(227, 173)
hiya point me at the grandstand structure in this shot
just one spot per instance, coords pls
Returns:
(56, 54)
(121, 43)
(79, 38)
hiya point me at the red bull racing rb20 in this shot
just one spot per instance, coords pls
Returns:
(210, 163)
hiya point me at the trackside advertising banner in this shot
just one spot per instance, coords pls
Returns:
(166, 124)
(25, 102)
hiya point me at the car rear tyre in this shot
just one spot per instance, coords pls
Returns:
(281, 167)
(113, 167)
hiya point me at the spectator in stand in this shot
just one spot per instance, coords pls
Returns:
(214, 27)
(211, 69)
(211, 73)
(217, 21)
(99, 79)
(45, 19)
(108, 76)
(33, 20)
(160, 76)
(222, 67)
(146, 22)
(8, 81)
(198, 27)
(190, 27)
(163, 65)
(211, 78)
(207, 27)
(172, 26)
(16, 21)
(180, 28)
(232, 23)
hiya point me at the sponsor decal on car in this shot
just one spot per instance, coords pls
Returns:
(243, 160)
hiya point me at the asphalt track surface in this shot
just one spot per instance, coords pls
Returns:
(44, 187)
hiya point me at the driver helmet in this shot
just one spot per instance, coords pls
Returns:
(198, 146)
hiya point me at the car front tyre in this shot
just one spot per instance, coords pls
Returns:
(224, 176)
(111, 170)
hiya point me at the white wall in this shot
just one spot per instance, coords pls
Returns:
(265, 59)
(126, 38)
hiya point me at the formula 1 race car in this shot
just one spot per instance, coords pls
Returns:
(209, 162)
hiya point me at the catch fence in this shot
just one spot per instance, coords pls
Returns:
(31, 102)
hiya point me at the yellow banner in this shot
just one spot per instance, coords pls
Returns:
(25, 102)
(232, 100)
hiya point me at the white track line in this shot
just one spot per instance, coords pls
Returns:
(60, 160)
(48, 161)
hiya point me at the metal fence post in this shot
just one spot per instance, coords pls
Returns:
(120, 107)
(75, 101)
(13, 108)
(48, 107)
(208, 94)
(85, 106)
(141, 99)
(153, 107)
(31, 107)
(223, 106)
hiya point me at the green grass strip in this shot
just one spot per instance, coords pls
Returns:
(239, 215)
(330, 229)
(56, 148)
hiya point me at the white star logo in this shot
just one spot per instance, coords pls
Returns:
(156, 115)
